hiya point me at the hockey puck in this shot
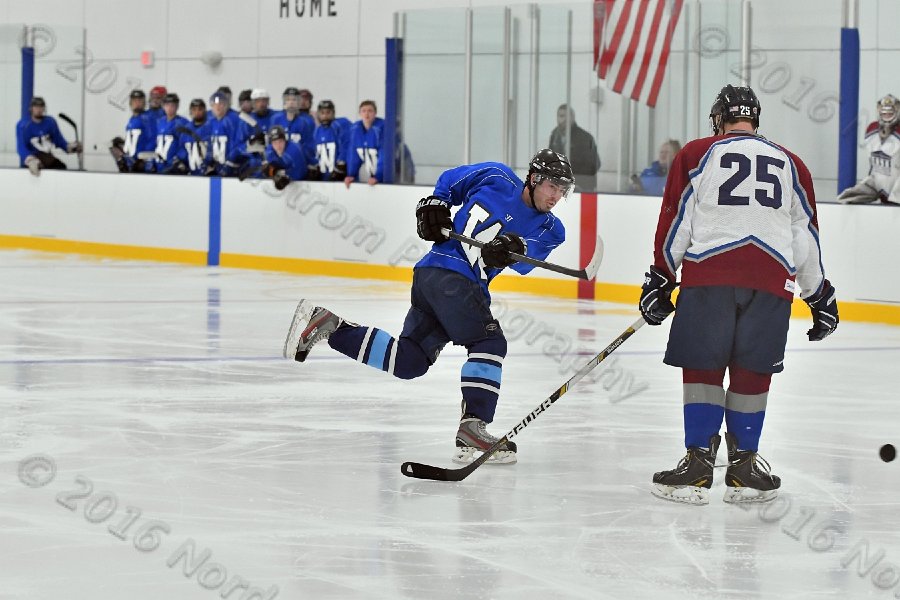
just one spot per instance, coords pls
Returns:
(887, 453)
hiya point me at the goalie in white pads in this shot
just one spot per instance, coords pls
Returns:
(883, 145)
(739, 217)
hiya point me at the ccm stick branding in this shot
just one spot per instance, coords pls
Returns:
(549, 401)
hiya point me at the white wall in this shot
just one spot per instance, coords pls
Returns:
(317, 222)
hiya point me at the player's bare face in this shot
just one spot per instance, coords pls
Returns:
(219, 109)
(326, 115)
(278, 146)
(137, 104)
(367, 114)
(292, 103)
(37, 112)
(547, 194)
(198, 113)
(171, 109)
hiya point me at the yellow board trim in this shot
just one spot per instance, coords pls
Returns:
(867, 312)
(44, 244)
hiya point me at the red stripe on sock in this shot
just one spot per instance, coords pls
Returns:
(709, 377)
(742, 381)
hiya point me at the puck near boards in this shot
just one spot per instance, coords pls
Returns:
(888, 453)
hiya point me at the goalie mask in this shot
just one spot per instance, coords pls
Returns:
(551, 166)
(731, 104)
(888, 112)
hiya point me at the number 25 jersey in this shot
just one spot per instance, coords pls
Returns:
(740, 211)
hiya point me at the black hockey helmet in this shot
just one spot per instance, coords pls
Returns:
(37, 101)
(137, 94)
(547, 164)
(324, 104)
(171, 97)
(197, 102)
(277, 132)
(734, 103)
(244, 95)
(291, 91)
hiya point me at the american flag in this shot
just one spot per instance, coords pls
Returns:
(632, 40)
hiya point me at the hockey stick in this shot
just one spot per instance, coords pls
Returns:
(196, 137)
(68, 120)
(588, 272)
(420, 471)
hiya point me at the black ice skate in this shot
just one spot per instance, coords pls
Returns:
(311, 325)
(472, 437)
(689, 482)
(748, 478)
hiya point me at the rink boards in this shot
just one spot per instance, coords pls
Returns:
(369, 232)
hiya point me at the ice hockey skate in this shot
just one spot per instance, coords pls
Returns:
(748, 478)
(689, 482)
(311, 325)
(472, 439)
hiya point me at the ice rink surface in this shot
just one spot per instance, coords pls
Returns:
(179, 457)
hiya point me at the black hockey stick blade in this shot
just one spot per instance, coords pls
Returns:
(587, 273)
(187, 131)
(420, 471)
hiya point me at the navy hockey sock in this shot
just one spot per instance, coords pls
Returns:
(704, 405)
(402, 358)
(480, 377)
(745, 406)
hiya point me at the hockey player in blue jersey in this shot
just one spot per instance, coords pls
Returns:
(225, 139)
(299, 127)
(450, 298)
(195, 138)
(36, 137)
(140, 138)
(364, 149)
(171, 155)
(284, 160)
(331, 145)
(254, 128)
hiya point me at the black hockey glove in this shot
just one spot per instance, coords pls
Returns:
(432, 215)
(824, 313)
(656, 297)
(281, 179)
(496, 253)
(313, 173)
(340, 171)
(176, 168)
(211, 169)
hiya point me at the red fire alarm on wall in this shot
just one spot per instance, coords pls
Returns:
(147, 58)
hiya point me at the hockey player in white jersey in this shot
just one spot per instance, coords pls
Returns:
(883, 145)
(739, 218)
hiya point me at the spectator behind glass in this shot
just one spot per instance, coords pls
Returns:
(364, 154)
(882, 142)
(582, 151)
(653, 179)
(36, 137)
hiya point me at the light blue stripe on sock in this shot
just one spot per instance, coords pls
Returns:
(482, 371)
(379, 347)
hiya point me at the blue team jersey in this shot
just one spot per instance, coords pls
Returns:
(263, 122)
(168, 142)
(489, 196)
(225, 142)
(196, 150)
(140, 136)
(299, 130)
(331, 145)
(365, 149)
(38, 136)
(293, 160)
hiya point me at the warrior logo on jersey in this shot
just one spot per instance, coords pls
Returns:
(880, 162)
(131, 141)
(369, 157)
(195, 153)
(42, 143)
(325, 152)
(219, 146)
(163, 145)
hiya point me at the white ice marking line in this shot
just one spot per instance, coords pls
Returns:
(688, 555)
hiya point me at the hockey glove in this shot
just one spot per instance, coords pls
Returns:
(340, 171)
(313, 173)
(74, 147)
(824, 313)
(433, 215)
(656, 297)
(281, 179)
(496, 253)
(34, 164)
